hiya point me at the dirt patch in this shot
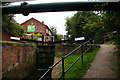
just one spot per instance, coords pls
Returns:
(56, 70)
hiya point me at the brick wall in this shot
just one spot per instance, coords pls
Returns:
(39, 26)
(65, 49)
(5, 36)
(18, 60)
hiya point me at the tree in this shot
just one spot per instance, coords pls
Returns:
(86, 23)
(10, 26)
(54, 32)
(112, 25)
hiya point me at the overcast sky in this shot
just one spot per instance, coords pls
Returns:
(56, 19)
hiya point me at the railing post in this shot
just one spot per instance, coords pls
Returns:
(91, 45)
(42, 39)
(63, 68)
(51, 41)
(82, 54)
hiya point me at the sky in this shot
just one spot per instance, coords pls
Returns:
(55, 19)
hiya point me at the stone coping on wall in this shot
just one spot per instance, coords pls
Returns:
(18, 44)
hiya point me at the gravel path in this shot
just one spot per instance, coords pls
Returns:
(103, 65)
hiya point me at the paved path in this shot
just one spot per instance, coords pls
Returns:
(104, 63)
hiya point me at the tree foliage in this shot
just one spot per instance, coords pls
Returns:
(10, 26)
(54, 32)
(112, 24)
(86, 23)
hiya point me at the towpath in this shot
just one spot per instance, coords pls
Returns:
(103, 65)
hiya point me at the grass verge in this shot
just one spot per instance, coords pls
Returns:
(109, 43)
(118, 64)
(9, 41)
(78, 70)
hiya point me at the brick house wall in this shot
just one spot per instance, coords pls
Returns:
(40, 28)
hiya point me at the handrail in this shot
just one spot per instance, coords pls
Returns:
(26, 8)
(86, 50)
(72, 51)
(72, 64)
(44, 74)
(56, 63)
(46, 42)
(62, 59)
(87, 41)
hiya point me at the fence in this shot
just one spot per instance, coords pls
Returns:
(85, 47)
(63, 58)
(42, 42)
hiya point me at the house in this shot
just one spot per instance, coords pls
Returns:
(35, 29)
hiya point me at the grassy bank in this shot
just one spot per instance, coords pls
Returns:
(78, 70)
(118, 64)
(109, 43)
(9, 41)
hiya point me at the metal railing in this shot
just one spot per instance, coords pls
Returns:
(26, 8)
(63, 58)
(46, 42)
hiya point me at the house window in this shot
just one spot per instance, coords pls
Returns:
(39, 39)
(50, 33)
(47, 39)
(47, 31)
(31, 28)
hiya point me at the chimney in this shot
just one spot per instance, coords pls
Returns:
(42, 22)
